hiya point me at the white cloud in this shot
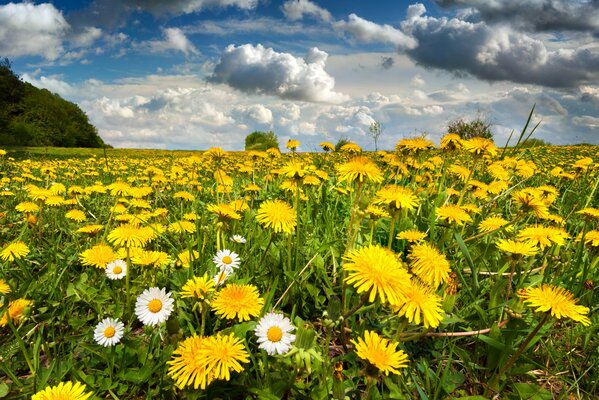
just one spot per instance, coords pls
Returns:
(86, 37)
(53, 84)
(296, 9)
(256, 69)
(370, 32)
(174, 39)
(586, 120)
(29, 29)
(418, 81)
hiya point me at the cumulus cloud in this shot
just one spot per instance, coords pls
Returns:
(86, 37)
(174, 39)
(495, 53)
(587, 121)
(255, 112)
(52, 83)
(370, 32)
(29, 29)
(538, 15)
(296, 9)
(257, 69)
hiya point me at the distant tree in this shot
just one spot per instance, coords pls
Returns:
(261, 141)
(341, 142)
(375, 131)
(534, 142)
(478, 127)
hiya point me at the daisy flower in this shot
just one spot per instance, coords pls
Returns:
(109, 332)
(226, 260)
(273, 333)
(154, 306)
(64, 391)
(238, 239)
(221, 276)
(116, 269)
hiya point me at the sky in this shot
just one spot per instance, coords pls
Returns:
(195, 74)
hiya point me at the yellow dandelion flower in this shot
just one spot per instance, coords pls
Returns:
(451, 141)
(129, 235)
(76, 215)
(14, 311)
(480, 146)
(182, 226)
(543, 236)
(185, 258)
(184, 196)
(557, 301)
(292, 144)
(381, 353)
(223, 354)
(396, 198)
(238, 301)
(454, 214)
(197, 287)
(239, 205)
(148, 257)
(54, 201)
(224, 212)
(414, 145)
(90, 229)
(421, 304)
(327, 146)
(185, 367)
(517, 248)
(376, 212)
(27, 207)
(411, 235)
(4, 288)
(294, 169)
(589, 212)
(98, 256)
(350, 148)
(429, 264)
(377, 270)
(491, 223)
(528, 202)
(63, 391)
(277, 215)
(14, 251)
(359, 169)
(591, 238)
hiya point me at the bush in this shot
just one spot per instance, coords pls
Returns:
(261, 141)
(479, 127)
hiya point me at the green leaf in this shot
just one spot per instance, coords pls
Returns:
(3, 390)
(530, 391)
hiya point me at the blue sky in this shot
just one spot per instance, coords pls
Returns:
(183, 74)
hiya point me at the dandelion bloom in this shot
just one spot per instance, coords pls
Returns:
(223, 354)
(480, 146)
(556, 300)
(517, 248)
(278, 215)
(14, 251)
(491, 223)
(350, 148)
(591, 238)
(380, 352)
(274, 333)
(130, 236)
(429, 264)
(292, 144)
(154, 306)
(109, 332)
(90, 229)
(223, 212)
(4, 288)
(414, 145)
(543, 236)
(76, 215)
(453, 213)
(182, 226)
(27, 207)
(528, 202)
(377, 270)
(98, 256)
(197, 287)
(186, 257)
(589, 212)
(185, 368)
(451, 141)
(149, 257)
(14, 311)
(327, 146)
(396, 197)
(376, 212)
(238, 301)
(421, 304)
(411, 235)
(359, 169)
(63, 391)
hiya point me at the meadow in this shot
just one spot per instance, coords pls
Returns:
(461, 271)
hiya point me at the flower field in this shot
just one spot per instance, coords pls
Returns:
(461, 271)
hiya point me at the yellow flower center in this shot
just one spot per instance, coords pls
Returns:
(117, 270)
(227, 260)
(274, 334)
(155, 305)
(109, 332)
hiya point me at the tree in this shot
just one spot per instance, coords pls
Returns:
(261, 141)
(478, 127)
(376, 130)
(341, 142)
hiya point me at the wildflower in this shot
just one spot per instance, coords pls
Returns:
(109, 332)
(421, 304)
(414, 145)
(186, 257)
(98, 256)
(429, 264)
(411, 235)
(376, 212)
(589, 212)
(184, 196)
(327, 146)
(380, 352)
(293, 169)
(148, 257)
(278, 215)
(154, 306)
(451, 141)
(116, 269)
(292, 144)
(76, 215)
(4, 288)
(14, 251)
(27, 207)
(558, 301)
(14, 311)
(221, 276)
(238, 239)
(197, 287)
(226, 260)
(182, 227)
(543, 236)
(130, 236)
(517, 248)
(90, 229)
(377, 270)
(224, 212)
(528, 202)
(238, 301)
(396, 197)
(590, 238)
(185, 368)
(491, 224)
(480, 146)
(350, 148)
(63, 391)
(274, 333)
(359, 169)
(453, 213)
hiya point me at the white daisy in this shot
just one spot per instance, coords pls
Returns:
(154, 306)
(273, 333)
(109, 332)
(116, 269)
(238, 239)
(226, 260)
(221, 276)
